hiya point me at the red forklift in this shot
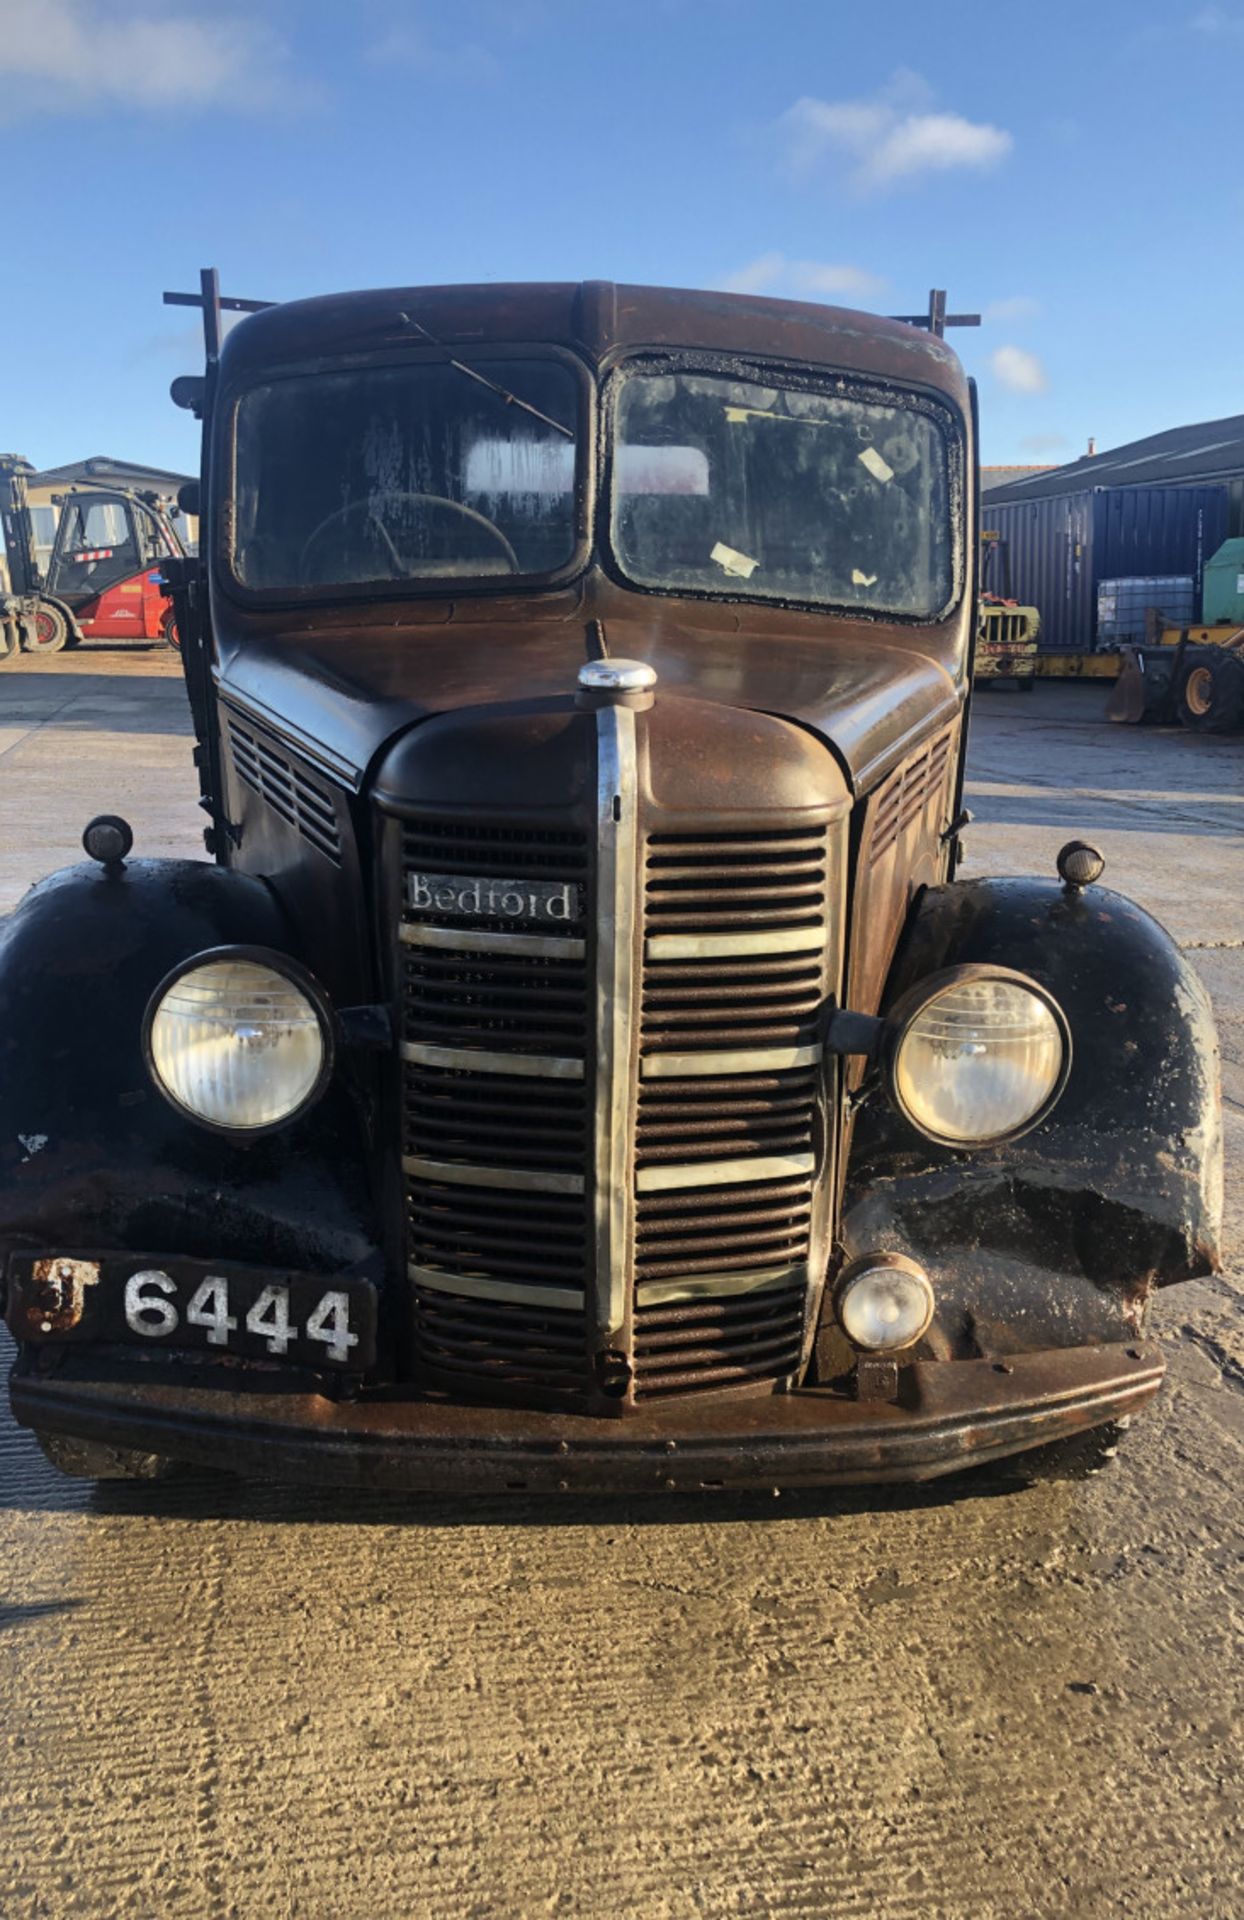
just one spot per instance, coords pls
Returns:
(103, 578)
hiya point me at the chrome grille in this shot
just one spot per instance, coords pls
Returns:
(496, 1043)
(728, 1136)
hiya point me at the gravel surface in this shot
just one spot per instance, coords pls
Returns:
(229, 1700)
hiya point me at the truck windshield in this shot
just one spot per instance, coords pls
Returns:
(405, 473)
(731, 487)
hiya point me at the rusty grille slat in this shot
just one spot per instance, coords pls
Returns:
(480, 1346)
(452, 1114)
(683, 1349)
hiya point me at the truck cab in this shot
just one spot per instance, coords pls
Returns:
(580, 1062)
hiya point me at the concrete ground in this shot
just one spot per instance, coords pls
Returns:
(230, 1700)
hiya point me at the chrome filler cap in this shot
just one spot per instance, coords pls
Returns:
(617, 676)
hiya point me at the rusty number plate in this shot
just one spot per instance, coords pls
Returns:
(302, 1319)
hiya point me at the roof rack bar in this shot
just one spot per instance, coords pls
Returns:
(937, 319)
(227, 301)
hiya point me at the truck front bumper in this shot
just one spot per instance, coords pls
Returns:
(950, 1415)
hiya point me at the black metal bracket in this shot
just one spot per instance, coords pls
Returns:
(936, 320)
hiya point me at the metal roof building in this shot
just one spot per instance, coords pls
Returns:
(994, 477)
(1209, 454)
(102, 470)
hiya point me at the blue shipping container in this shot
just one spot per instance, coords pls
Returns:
(1061, 547)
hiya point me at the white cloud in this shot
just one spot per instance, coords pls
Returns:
(1044, 442)
(889, 139)
(1020, 306)
(1018, 370)
(409, 46)
(775, 273)
(67, 56)
(1215, 23)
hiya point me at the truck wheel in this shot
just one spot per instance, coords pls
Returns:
(92, 1460)
(50, 631)
(1211, 693)
(168, 627)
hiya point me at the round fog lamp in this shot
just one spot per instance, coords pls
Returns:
(884, 1304)
(238, 1043)
(981, 1058)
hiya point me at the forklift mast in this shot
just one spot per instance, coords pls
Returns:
(19, 533)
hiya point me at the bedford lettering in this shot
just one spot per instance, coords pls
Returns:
(459, 894)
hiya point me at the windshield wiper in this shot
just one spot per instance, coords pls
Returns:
(493, 386)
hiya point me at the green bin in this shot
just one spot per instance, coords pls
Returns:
(1222, 602)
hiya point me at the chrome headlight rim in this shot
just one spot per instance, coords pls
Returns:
(298, 976)
(908, 1007)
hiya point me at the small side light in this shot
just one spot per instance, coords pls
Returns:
(884, 1303)
(108, 838)
(1079, 865)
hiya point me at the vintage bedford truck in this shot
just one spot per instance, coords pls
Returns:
(578, 1064)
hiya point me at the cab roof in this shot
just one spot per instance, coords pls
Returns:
(598, 319)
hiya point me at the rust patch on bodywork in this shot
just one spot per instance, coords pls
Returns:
(55, 1297)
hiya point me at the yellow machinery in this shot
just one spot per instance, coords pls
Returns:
(1006, 633)
(1194, 675)
(1191, 674)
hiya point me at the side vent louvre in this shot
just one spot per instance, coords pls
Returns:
(298, 800)
(907, 792)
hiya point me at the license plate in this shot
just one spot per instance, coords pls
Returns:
(299, 1320)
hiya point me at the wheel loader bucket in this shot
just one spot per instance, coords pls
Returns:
(1145, 685)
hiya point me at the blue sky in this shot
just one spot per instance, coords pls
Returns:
(1065, 169)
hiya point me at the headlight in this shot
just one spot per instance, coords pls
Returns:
(239, 1039)
(980, 1057)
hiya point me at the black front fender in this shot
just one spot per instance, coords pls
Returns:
(1059, 1236)
(91, 1155)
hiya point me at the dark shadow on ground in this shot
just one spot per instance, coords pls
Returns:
(17, 1614)
(141, 703)
(1078, 813)
(193, 1495)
